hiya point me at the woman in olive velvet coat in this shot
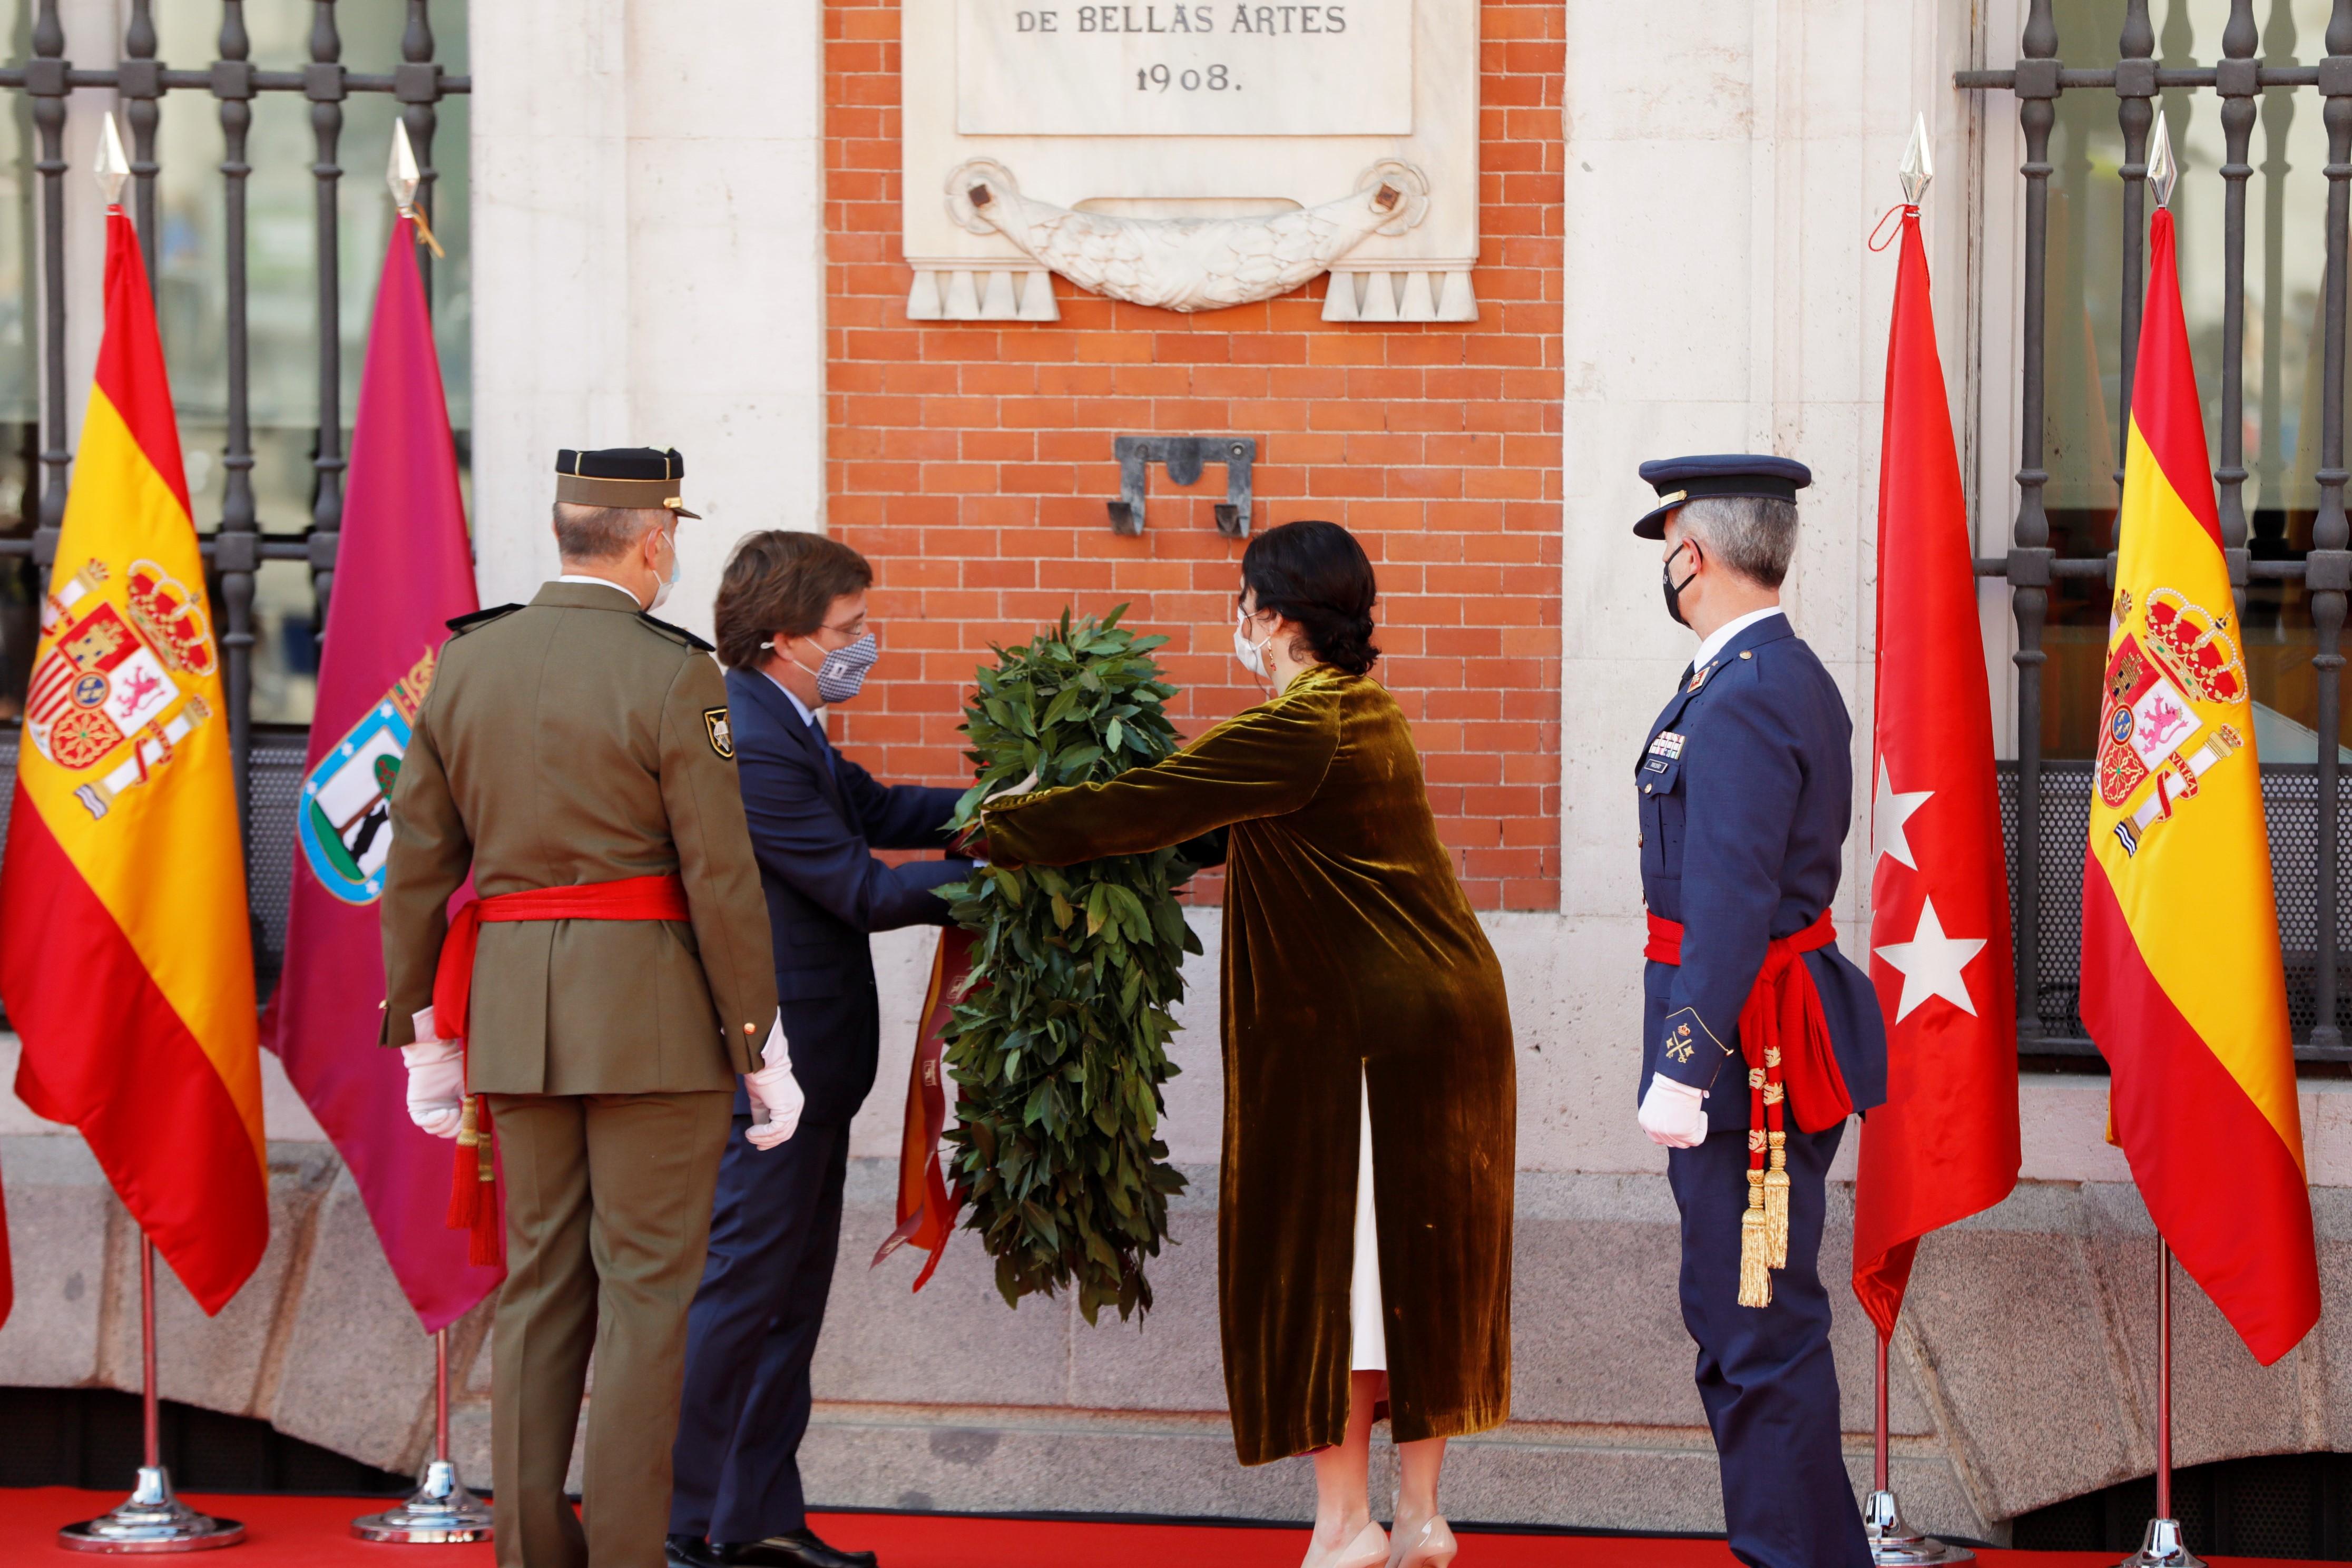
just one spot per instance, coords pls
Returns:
(1358, 991)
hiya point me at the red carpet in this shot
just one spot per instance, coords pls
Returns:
(314, 1532)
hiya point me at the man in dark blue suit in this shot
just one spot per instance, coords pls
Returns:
(1745, 786)
(792, 631)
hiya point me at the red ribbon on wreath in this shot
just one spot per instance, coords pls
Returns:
(927, 1207)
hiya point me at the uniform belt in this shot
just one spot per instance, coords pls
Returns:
(1785, 1039)
(1783, 1034)
(473, 1193)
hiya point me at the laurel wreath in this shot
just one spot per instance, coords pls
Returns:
(1059, 1046)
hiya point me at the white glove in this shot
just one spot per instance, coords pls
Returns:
(776, 1098)
(1673, 1114)
(436, 1078)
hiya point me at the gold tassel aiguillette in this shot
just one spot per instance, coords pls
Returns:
(1776, 1205)
(1755, 1270)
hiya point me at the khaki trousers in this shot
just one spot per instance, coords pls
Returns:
(607, 1215)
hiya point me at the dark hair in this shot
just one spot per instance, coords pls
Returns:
(780, 582)
(1317, 575)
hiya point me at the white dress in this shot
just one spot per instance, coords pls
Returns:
(1367, 1324)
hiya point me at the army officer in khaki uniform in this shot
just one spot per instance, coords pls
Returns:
(573, 756)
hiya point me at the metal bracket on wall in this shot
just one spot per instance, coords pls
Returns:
(1183, 456)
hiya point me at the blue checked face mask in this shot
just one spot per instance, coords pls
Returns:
(842, 672)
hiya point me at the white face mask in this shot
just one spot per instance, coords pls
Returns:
(661, 590)
(1252, 654)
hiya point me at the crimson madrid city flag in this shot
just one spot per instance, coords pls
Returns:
(1945, 1144)
(402, 570)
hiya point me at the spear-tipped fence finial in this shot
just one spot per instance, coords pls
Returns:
(112, 170)
(2163, 170)
(1918, 165)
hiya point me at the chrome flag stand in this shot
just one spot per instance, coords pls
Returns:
(151, 1519)
(2161, 1546)
(440, 1511)
(1892, 1542)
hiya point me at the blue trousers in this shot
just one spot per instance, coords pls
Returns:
(1765, 1374)
(774, 1229)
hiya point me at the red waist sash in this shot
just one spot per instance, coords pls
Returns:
(1785, 1039)
(473, 1193)
(1783, 1034)
(657, 898)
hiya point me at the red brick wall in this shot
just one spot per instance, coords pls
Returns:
(970, 462)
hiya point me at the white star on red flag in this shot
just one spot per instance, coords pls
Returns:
(1888, 811)
(1930, 965)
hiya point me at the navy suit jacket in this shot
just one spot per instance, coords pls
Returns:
(815, 821)
(1746, 785)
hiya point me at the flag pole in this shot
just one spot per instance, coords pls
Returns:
(1878, 1399)
(440, 1511)
(2161, 1546)
(1892, 1543)
(151, 1519)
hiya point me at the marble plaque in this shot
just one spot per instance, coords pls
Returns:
(1169, 67)
(1280, 141)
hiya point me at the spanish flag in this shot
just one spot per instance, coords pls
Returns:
(2182, 986)
(126, 962)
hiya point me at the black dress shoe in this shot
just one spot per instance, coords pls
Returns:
(799, 1549)
(689, 1552)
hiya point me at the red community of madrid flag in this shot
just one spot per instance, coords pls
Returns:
(402, 570)
(2182, 986)
(126, 958)
(1945, 1144)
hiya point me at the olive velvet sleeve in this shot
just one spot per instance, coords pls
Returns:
(1265, 762)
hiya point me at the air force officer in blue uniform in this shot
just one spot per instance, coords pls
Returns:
(792, 629)
(1745, 786)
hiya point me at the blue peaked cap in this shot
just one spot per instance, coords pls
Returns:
(1680, 479)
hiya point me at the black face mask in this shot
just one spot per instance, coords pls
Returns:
(1674, 590)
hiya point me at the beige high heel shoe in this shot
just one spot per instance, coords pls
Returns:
(1431, 1546)
(1370, 1549)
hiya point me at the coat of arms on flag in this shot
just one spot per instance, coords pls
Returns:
(107, 679)
(2150, 720)
(344, 826)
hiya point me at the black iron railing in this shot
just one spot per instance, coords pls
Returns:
(235, 546)
(2045, 800)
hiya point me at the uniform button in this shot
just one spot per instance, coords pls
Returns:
(1744, 654)
(1645, 789)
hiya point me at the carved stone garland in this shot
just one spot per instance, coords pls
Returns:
(1189, 264)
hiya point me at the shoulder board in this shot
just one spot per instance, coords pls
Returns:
(676, 634)
(464, 624)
